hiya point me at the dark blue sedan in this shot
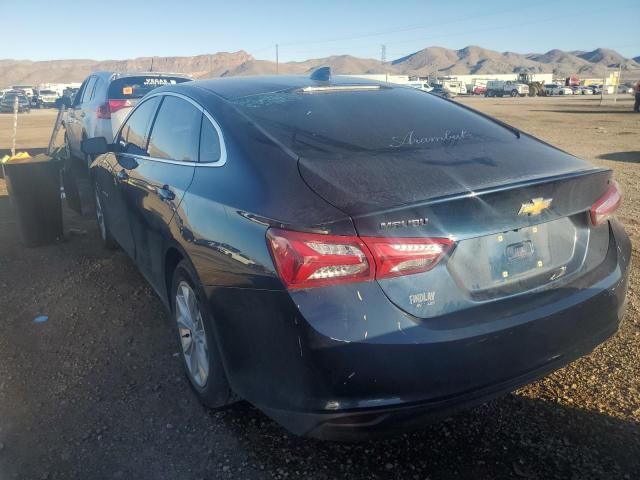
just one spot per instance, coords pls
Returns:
(358, 258)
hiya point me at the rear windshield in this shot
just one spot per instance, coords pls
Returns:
(347, 124)
(138, 87)
(47, 92)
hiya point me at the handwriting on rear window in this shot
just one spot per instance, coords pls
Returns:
(448, 138)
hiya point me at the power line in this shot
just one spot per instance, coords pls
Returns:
(406, 27)
(465, 32)
(505, 27)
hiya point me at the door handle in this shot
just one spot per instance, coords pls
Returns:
(122, 176)
(165, 194)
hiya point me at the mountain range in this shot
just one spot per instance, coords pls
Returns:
(428, 61)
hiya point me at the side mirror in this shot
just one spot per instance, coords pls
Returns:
(95, 146)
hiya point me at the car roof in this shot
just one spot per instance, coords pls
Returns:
(236, 87)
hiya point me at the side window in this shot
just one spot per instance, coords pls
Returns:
(209, 142)
(80, 93)
(133, 135)
(96, 88)
(176, 131)
(88, 90)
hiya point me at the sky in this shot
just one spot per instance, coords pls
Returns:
(117, 29)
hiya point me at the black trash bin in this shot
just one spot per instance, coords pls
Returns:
(34, 191)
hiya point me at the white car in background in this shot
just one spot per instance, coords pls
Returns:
(580, 90)
(625, 89)
(103, 102)
(425, 87)
(555, 89)
(45, 98)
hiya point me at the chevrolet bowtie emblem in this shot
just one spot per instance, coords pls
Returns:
(535, 206)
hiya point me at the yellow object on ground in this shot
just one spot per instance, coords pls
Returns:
(17, 158)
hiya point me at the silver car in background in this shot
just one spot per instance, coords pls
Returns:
(103, 102)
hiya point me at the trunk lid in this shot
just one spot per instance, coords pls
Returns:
(500, 250)
(516, 208)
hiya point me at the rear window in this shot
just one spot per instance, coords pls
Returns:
(347, 124)
(138, 87)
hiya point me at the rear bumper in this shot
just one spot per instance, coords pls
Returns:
(326, 365)
(366, 424)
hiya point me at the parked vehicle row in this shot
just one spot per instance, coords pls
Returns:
(7, 103)
(557, 89)
(316, 244)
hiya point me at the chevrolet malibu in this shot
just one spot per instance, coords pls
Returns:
(358, 258)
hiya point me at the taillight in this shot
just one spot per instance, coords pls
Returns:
(106, 109)
(406, 256)
(604, 208)
(306, 260)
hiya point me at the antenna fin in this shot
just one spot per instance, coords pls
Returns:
(321, 74)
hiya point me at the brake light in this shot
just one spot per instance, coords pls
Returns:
(305, 260)
(605, 207)
(106, 109)
(406, 256)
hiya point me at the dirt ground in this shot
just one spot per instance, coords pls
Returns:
(97, 391)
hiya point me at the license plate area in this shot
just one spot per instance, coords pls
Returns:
(518, 260)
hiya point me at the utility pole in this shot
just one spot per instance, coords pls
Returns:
(277, 60)
(383, 54)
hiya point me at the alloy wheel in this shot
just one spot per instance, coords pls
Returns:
(193, 338)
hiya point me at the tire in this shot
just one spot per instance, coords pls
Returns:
(85, 158)
(196, 340)
(514, 93)
(106, 238)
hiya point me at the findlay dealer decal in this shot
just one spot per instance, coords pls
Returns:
(448, 138)
(422, 299)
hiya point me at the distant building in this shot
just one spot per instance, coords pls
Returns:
(59, 88)
(469, 80)
(383, 77)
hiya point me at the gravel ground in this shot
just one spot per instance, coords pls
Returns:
(97, 391)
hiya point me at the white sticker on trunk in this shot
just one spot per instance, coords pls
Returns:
(422, 299)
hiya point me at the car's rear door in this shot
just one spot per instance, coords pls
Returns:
(112, 177)
(73, 120)
(158, 181)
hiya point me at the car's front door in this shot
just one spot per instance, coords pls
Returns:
(158, 182)
(131, 144)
